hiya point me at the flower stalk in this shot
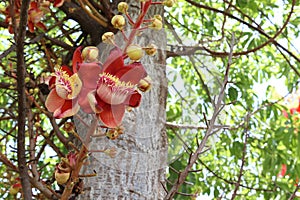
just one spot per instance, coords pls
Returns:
(81, 157)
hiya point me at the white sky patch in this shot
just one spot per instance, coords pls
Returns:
(261, 88)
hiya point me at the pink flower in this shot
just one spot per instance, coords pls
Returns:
(115, 88)
(66, 86)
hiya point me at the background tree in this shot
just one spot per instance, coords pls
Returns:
(231, 110)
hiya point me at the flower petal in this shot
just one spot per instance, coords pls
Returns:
(83, 100)
(132, 73)
(76, 86)
(52, 81)
(58, 3)
(53, 101)
(31, 26)
(114, 62)
(69, 108)
(112, 115)
(135, 99)
(67, 70)
(95, 103)
(89, 74)
(298, 108)
(41, 25)
(77, 58)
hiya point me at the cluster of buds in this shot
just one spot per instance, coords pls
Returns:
(119, 22)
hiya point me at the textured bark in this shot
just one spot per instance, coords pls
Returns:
(138, 169)
(21, 72)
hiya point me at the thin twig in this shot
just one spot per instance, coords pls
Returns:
(261, 31)
(294, 193)
(194, 157)
(238, 183)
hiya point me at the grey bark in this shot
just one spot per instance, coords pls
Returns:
(138, 169)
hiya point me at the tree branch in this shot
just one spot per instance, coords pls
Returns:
(21, 71)
(258, 29)
(294, 193)
(211, 126)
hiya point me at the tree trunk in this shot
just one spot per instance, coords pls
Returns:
(138, 169)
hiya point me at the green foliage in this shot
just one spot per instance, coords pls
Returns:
(253, 139)
(257, 135)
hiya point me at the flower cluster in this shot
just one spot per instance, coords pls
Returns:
(36, 12)
(106, 89)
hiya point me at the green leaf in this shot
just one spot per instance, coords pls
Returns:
(233, 94)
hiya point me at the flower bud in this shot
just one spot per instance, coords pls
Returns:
(14, 189)
(129, 109)
(156, 24)
(69, 127)
(90, 54)
(27, 79)
(120, 130)
(169, 3)
(111, 152)
(145, 84)
(157, 17)
(118, 21)
(61, 177)
(36, 90)
(123, 7)
(37, 124)
(108, 38)
(134, 52)
(151, 49)
(112, 134)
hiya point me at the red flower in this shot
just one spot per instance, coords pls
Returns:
(283, 170)
(115, 89)
(292, 109)
(36, 12)
(66, 86)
